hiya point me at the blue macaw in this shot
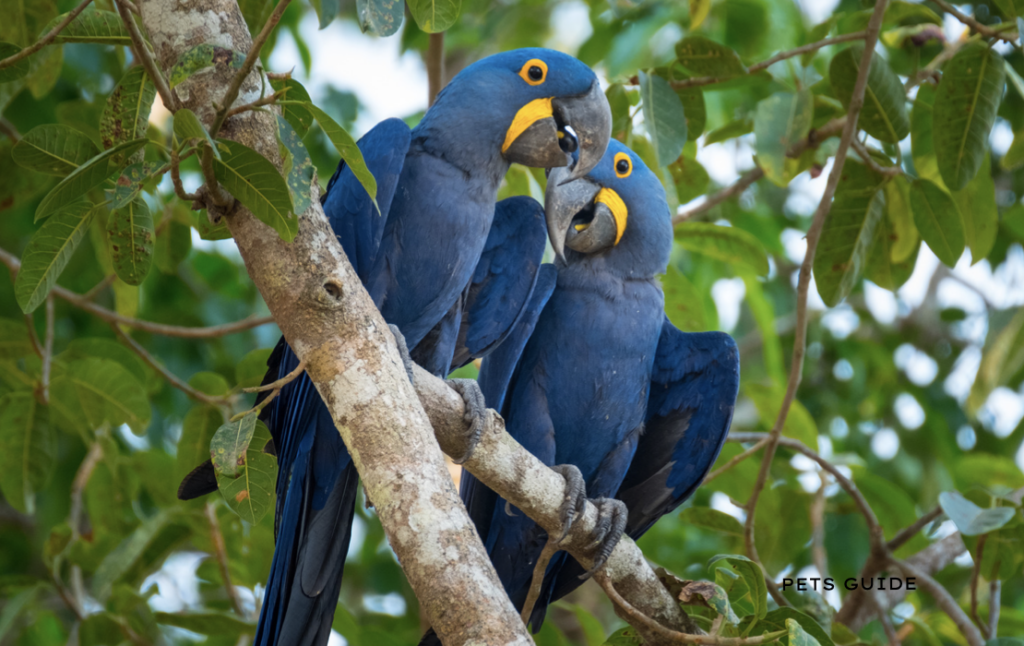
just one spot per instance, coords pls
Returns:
(595, 376)
(449, 270)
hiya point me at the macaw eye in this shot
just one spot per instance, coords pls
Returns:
(534, 71)
(623, 165)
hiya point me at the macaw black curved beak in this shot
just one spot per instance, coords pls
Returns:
(581, 214)
(545, 132)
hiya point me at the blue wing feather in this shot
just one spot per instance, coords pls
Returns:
(348, 206)
(504, 278)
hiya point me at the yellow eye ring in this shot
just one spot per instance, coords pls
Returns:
(534, 71)
(623, 165)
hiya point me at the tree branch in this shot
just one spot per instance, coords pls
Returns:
(178, 331)
(435, 66)
(943, 599)
(170, 101)
(818, 222)
(48, 38)
(987, 32)
(975, 575)
(221, 554)
(47, 351)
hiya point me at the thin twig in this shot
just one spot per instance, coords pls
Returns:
(987, 32)
(109, 316)
(47, 351)
(813, 140)
(255, 410)
(267, 100)
(869, 161)
(218, 195)
(280, 383)
(8, 129)
(131, 5)
(975, 575)
(221, 554)
(813, 234)
(250, 61)
(99, 287)
(539, 570)
(995, 589)
(48, 38)
(165, 373)
(179, 188)
(883, 618)
(818, 554)
(142, 54)
(92, 458)
(435, 66)
(944, 600)
(638, 618)
(908, 533)
(32, 336)
(736, 460)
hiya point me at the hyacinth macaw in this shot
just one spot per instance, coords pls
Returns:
(449, 270)
(595, 376)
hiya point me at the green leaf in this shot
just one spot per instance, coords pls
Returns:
(712, 519)
(901, 220)
(250, 370)
(326, 10)
(146, 545)
(382, 17)
(728, 244)
(977, 202)
(197, 430)
(349, 151)
(15, 604)
(101, 629)
(964, 111)
(627, 636)
(207, 623)
(130, 234)
(884, 115)
(892, 505)
(683, 303)
(92, 26)
(971, 519)
(692, 99)
(799, 424)
(780, 618)
(938, 220)
(251, 494)
(126, 115)
(731, 130)
(48, 253)
(255, 182)
(1014, 157)
(797, 636)
(297, 165)
(752, 575)
(82, 348)
(18, 70)
(434, 16)
(782, 120)
(14, 339)
(663, 117)
(846, 238)
(84, 178)
(172, 246)
(764, 315)
(103, 391)
(202, 57)
(53, 149)
(691, 180)
(297, 114)
(817, 32)
(28, 450)
(1001, 361)
(129, 184)
(881, 268)
(229, 443)
(211, 383)
(187, 127)
(921, 141)
(705, 57)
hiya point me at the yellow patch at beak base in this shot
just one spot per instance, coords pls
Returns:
(528, 114)
(618, 208)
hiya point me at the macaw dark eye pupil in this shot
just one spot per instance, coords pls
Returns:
(536, 73)
(622, 166)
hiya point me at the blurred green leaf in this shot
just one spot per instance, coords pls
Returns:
(207, 623)
(251, 494)
(799, 424)
(255, 182)
(92, 26)
(938, 220)
(624, 637)
(103, 391)
(683, 304)
(172, 246)
(728, 244)
(326, 10)
(712, 519)
(731, 130)
(752, 576)
(705, 57)
(691, 180)
(663, 117)
(971, 519)
(1003, 358)
(797, 636)
(130, 234)
(48, 253)
(964, 111)
(432, 16)
(53, 149)
(28, 450)
(1014, 157)
(14, 339)
(884, 115)
(782, 120)
(977, 203)
(146, 546)
(891, 504)
(197, 431)
(383, 17)
(250, 370)
(16, 71)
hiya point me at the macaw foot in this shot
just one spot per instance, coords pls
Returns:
(575, 500)
(403, 350)
(611, 524)
(475, 415)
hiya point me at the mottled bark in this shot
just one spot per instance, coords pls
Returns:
(331, 323)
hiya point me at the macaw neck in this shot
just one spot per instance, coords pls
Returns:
(448, 135)
(596, 273)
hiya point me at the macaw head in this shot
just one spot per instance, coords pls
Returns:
(616, 213)
(527, 106)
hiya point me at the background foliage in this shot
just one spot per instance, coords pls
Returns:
(95, 438)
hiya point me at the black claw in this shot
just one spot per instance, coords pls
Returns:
(403, 350)
(575, 497)
(475, 416)
(611, 524)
